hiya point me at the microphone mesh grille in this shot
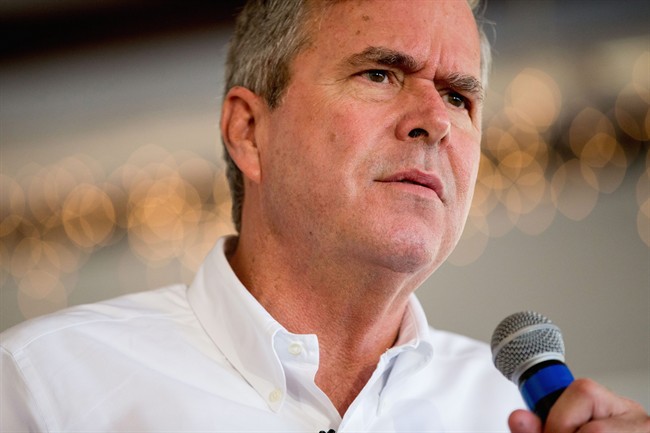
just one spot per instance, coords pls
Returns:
(525, 344)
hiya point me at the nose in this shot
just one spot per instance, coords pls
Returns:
(424, 117)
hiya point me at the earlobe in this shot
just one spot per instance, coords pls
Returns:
(239, 118)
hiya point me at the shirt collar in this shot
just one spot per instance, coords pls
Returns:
(413, 342)
(414, 328)
(242, 329)
(413, 349)
(220, 301)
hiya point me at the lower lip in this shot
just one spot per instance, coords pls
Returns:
(411, 188)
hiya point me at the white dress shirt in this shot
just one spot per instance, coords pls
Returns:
(209, 358)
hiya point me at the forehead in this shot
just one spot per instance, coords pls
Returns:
(437, 33)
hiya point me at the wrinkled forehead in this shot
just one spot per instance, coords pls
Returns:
(436, 32)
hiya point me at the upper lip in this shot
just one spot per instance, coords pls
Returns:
(417, 177)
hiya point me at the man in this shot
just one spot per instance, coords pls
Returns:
(353, 130)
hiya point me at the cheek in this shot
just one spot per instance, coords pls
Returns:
(314, 158)
(466, 159)
(347, 137)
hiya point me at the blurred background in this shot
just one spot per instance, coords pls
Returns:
(111, 178)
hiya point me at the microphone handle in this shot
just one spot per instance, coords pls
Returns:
(542, 384)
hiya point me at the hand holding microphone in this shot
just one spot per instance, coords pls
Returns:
(527, 348)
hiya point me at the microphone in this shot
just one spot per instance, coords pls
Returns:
(527, 348)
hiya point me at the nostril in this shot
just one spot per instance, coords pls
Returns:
(417, 132)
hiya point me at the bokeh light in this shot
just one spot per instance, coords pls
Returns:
(88, 216)
(633, 112)
(539, 161)
(643, 200)
(171, 207)
(533, 100)
(574, 189)
(12, 205)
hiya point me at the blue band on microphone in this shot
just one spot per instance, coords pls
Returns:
(544, 382)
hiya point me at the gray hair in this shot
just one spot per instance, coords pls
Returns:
(268, 35)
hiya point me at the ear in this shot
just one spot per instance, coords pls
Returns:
(240, 115)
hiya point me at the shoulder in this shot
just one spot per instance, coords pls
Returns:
(464, 354)
(464, 368)
(156, 305)
(450, 345)
(106, 357)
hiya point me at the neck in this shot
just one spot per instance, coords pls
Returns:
(356, 312)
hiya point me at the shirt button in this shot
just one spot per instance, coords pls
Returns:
(295, 349)
(275, 396)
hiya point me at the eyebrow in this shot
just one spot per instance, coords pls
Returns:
(383, 56)
(463, 83)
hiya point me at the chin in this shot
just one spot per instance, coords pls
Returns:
(413, 255)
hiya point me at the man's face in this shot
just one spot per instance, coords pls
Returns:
(373, 151)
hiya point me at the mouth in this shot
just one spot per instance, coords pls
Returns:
(417, 181)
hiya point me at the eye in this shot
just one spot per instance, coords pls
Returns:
(377, 75)
(457, 100)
